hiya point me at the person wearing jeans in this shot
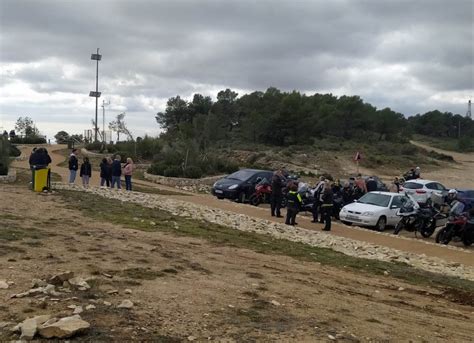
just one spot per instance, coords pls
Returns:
(127, 171)
(73, 166)
(116, 172)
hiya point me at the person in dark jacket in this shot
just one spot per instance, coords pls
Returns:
(326, 206)
(104, 173)
(293, 205)
(276, 196)
(316, 209)
(86, 172)
(116, 172)
(371, 184)
(73, 166)
(347, 194)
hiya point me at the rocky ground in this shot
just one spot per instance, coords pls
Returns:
(106, 268)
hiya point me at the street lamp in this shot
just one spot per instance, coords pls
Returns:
(96, 94)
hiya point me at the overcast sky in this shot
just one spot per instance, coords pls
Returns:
(412, 56)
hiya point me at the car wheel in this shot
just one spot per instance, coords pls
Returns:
(241, 197)
(346, 223)
(381, 224)
(220, 198)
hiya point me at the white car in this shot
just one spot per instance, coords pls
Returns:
(375, 209)
(421, 190)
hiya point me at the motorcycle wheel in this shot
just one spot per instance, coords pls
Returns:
(255, 200)
(428, 228)
(399, 227)
(443, 236)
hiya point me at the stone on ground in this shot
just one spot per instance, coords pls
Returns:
(64, 328)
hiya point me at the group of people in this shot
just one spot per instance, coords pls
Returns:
(111, 171)
(294, 200)
(328, 196)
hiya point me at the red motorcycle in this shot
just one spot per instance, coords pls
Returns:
(263, 193)
(458, 227)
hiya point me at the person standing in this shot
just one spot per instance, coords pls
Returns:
(326, 206)
(276, 196)
(293, 205)
(360, 186)
(116, 172)
(371, 184)
(73, 166)
(317, 200)
(86, 172)
(109, 170)
(127, 172)
(395, 186)
(104, 171)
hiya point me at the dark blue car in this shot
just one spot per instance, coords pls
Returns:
(240, 185)
(467, 197)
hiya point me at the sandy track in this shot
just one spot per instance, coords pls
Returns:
(417, 246)
(461, 173)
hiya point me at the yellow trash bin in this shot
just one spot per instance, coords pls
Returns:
(41, 179)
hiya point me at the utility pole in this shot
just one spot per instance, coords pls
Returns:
(468, 113)
(96, 57)
(104, 103)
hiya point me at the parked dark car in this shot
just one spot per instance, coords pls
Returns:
(240, 185)
(467, 197)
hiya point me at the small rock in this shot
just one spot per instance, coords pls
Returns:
(128, 291)
(125, 304)
(79, 282)
(90, 307)
(64, 328)
(275, 303)
(191, 338)
(58, 279)
(231, 306)
(29, 326)
(113, 291)
(401, 288)
(106, 303)
(331, 337)
(107, 275)
(78, 310)
(386, 272)
(3, 284)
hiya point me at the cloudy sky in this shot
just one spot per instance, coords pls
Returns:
(412, 56)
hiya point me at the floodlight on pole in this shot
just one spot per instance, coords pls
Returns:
(96, 57)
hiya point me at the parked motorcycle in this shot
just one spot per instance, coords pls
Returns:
(458, 228)
(418, 219)
(263, 193)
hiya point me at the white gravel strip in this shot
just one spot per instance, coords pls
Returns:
(243, 222)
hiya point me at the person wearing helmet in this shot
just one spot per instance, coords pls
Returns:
(451, 197)
(417, 173)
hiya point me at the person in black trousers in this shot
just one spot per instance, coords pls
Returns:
(105, 170)
(293, 205)
(326, 206)
(276, 196)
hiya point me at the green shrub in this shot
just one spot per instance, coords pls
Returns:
(193, 172)
(173, 171)
(28, 140)
(4, 156)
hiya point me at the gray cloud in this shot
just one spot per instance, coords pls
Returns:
(412, 56)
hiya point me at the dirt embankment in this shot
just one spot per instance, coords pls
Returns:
(186, 288)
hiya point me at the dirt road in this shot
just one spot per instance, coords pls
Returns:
(459, 175)
(186, 289)
(418, 246)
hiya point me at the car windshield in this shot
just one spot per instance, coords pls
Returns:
(381, 200)
(241, 175)
(412, 185)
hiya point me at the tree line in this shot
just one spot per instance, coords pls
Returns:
(281, 118)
